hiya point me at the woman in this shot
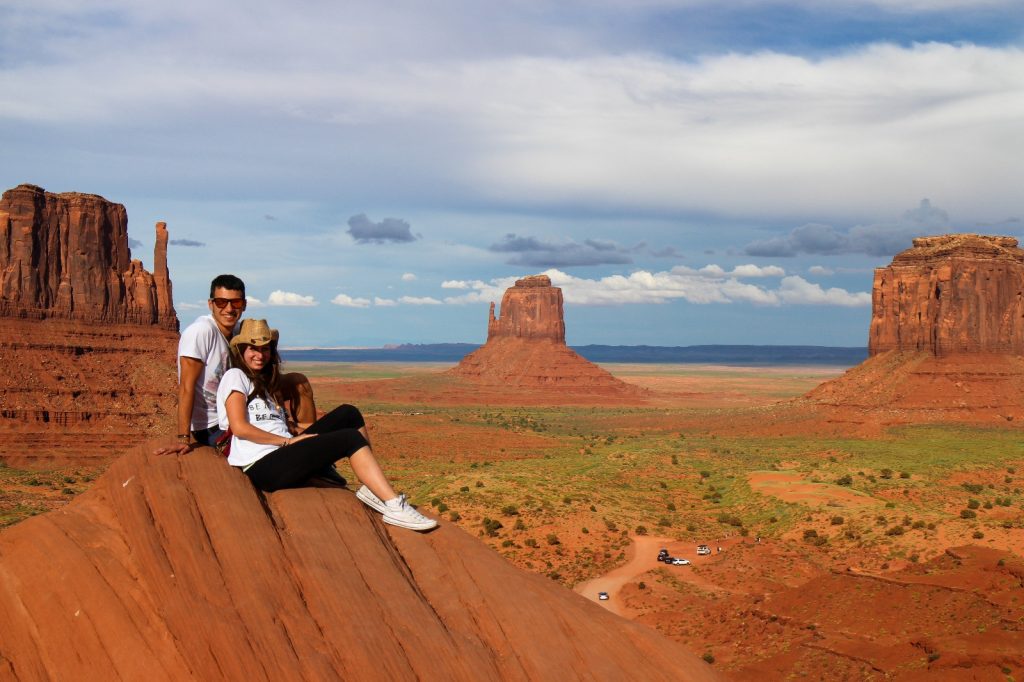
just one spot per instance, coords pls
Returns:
(249, 401)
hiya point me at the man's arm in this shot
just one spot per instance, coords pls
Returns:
(191, 368)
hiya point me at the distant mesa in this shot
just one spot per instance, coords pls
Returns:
(175, 568)
(87, 335)
(66, 256)
(951, 294)
(526, 347)
(946, 339)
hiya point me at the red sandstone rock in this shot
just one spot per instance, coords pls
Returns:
(532, 309)
(66, 256)
(959, 293)
(175, 568)
(526, 347)
(87, 335)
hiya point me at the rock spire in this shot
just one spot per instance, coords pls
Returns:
(66, 256)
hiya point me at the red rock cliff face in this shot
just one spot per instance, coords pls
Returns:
(87, 335)
(532, 309)
(951, 294)
(66, 256)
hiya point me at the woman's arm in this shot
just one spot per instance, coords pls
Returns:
(238, 420)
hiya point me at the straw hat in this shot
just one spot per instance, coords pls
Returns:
(254, 333)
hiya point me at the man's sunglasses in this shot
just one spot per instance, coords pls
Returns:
(236, 303)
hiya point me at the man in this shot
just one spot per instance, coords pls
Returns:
(202, 361)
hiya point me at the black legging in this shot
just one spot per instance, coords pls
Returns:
(292, 465)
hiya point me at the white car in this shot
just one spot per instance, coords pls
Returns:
(703, 550)
(603, 596)
(680, 562)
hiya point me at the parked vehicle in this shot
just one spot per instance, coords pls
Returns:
(662, 553)
(680, 562)
(603, 596)
(703, 550)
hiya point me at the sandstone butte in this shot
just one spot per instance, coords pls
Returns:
(947, 335)
(526, 347)
(174, 568)
(87, 335)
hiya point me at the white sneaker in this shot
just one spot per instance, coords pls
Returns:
(400, 513)
(370, 500)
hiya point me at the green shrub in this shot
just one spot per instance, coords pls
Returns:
(837, 520)
(491, 526)
(810, 533)
(455, 516)
(708, 657)
(442, 507)
(553, 539)
(886, 473)
(510, 510)
(973, 504)
(904, 474)
(977, 535)
(640, 530)
(671, 506)
(973, 487)
(968, 514)
(894, 530)
(519, 525)
(530, 542)
(730, 520)
(845, 480)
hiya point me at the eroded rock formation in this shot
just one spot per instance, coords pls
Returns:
(87, 335)
(946, 338)
(532, 309)
(957, 293)
(177, 568)
(66, 256)
(526, 346)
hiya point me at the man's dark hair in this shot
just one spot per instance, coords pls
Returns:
(229, 282)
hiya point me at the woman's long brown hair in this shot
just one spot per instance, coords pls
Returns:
(266, 383)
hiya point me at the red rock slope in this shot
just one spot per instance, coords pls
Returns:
(176, 568)
(87, 335)
(526, 347)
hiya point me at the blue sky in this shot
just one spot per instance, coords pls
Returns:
(689, 171)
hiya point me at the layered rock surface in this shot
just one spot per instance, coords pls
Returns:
(949, 294)
(177, 568)
(946, 337)
(66, 256)
(526, 346)
(87, 335)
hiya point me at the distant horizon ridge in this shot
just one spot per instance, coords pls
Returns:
(725, 353)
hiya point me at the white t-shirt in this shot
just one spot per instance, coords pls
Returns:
(262, 413)
(204, 341)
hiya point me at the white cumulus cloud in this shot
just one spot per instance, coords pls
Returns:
(384, 302)
(408, 277)
(707, 285)
(419, 300)
(347, 301)
(288, 298)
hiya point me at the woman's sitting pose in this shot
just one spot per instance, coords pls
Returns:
(249, 400)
